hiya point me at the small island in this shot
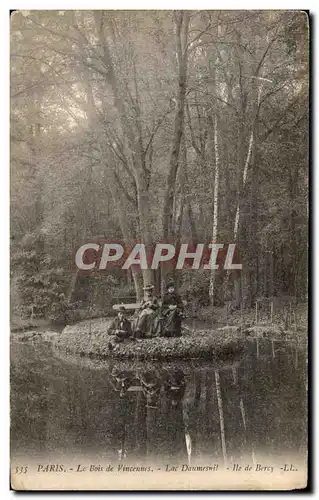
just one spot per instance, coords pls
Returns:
(202, 344)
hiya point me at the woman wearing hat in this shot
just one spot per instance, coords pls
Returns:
(172, 312)
(147, 314)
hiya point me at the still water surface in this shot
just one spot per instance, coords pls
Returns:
(255, 405)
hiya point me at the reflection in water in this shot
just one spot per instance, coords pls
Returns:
(172, 413)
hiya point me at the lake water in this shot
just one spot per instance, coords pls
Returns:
(252, 406)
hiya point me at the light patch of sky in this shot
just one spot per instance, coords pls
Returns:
(297, 86)
(223, 93)
(199, 51)
(93, 39)
(56, 113)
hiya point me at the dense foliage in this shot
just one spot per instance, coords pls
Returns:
(152, 125)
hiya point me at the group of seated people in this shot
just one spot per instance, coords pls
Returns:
(151, 319)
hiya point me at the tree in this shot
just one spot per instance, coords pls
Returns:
(159, 125)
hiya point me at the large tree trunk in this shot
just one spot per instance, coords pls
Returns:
(134, 149)
(244, 162)
(181, 25)
(126, 231)
(215, 211)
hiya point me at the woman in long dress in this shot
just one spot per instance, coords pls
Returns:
(172, 313)
(147, 315)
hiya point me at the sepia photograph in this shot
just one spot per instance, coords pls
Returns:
(159, 215)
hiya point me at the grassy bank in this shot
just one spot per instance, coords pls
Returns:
(201, 340)
(200, 344)
(18, 324)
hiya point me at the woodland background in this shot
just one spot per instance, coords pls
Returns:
(183, 126)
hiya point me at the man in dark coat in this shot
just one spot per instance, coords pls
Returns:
(121, 326)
